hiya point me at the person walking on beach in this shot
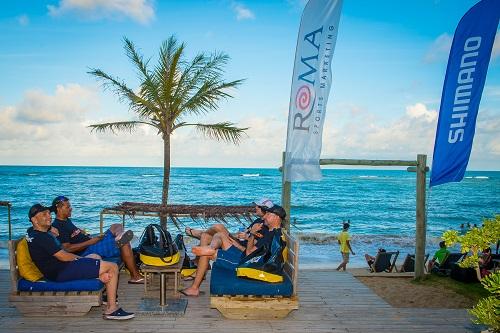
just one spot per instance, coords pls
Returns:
(114, 243)
(58, 265)
(344, 240)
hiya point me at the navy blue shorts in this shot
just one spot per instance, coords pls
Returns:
(230, 258)
(81, 269)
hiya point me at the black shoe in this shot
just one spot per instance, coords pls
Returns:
(119, 314)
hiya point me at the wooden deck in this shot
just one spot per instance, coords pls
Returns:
(329, 302)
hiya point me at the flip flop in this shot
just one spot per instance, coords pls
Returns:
(189, 232)
(125, 239)
(138, 281)
(185, 294)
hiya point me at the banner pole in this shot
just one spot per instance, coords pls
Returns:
(286, 194)
(421, 223)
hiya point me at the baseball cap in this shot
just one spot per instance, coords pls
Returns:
(264, 202)
(275, 209)
(35, 209)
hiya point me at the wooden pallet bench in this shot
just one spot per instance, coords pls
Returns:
(46, 303)
(263, 307)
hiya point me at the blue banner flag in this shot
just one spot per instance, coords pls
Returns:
(463, 85)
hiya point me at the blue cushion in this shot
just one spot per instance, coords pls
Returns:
(76, 285)
(225, 282)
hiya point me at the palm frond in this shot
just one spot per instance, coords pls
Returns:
(224, 131)
(118, 126)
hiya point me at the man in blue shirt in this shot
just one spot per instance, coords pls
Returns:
(58, 265)
(114, 243)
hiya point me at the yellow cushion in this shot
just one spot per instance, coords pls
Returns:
(27, 268)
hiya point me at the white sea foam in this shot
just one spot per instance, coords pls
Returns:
(482, 177)
(368, 176)
(147, 175)
(250, 175)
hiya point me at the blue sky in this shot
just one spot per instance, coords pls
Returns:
(388, 72)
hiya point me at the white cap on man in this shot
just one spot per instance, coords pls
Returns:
(264, 202)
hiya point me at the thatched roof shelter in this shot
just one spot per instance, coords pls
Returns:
(199, 213)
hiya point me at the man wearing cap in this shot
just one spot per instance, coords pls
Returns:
(229, 252)
(58, 265)
(205, 236)
(114, 243)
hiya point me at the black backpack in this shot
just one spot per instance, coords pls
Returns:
(157, 248)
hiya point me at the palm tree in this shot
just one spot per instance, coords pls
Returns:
(169, 93)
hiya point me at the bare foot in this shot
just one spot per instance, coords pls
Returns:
(191, 291)
(195, 233)
(203, 251)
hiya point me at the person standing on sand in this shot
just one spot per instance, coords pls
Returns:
(344, 240)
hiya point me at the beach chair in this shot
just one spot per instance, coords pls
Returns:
(384, 262)
(451, 259)
(409, 263)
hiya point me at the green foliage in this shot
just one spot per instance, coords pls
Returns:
(174, 89)
(475, 240)
(487, 310)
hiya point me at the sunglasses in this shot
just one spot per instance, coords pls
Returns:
(60, 199)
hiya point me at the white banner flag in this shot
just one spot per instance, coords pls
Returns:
(311, 82)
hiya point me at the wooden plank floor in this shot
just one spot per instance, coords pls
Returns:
(329, 302)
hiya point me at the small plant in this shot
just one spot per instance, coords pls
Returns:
(487, 310)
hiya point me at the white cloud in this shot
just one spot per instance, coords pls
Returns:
(440, 49)
(141, 11)
(242, 12)
(51, 129)
(23, 20)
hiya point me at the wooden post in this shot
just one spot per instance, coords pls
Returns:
(286, 193)
(421, 223)
(8, 219)
(101, 222)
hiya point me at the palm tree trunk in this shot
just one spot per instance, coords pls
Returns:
(166, 175)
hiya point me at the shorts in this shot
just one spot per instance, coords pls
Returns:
(229, 259)
(345, 257)
(106, 247)
(81, 269)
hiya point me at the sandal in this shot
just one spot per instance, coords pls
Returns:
(189, 232)
(125, 239)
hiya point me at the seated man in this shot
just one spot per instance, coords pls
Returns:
(229, 252)
(114, 243)
(59, 265)
(371, 259)
(439, 257)
(205, 236)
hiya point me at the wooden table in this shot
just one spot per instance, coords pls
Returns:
(163, 271)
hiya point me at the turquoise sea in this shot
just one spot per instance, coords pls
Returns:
(379, 203)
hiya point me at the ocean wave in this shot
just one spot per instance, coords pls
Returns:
(482, 177)
(146, 175)
(250, 175)
(368, 177)
(31, 174)
(392, 240)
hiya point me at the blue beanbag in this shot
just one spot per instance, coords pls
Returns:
(225, 282)
(76, 285)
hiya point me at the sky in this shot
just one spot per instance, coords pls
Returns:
(388, 72)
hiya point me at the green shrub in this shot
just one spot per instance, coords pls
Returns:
(487, 310)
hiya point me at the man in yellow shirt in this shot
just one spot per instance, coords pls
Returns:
(344, 240)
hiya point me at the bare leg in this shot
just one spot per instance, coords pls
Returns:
(108, 274)
(128, 258)
(194, 289)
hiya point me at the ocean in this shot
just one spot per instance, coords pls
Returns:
(380, 204)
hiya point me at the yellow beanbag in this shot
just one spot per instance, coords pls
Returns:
(27, 268)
